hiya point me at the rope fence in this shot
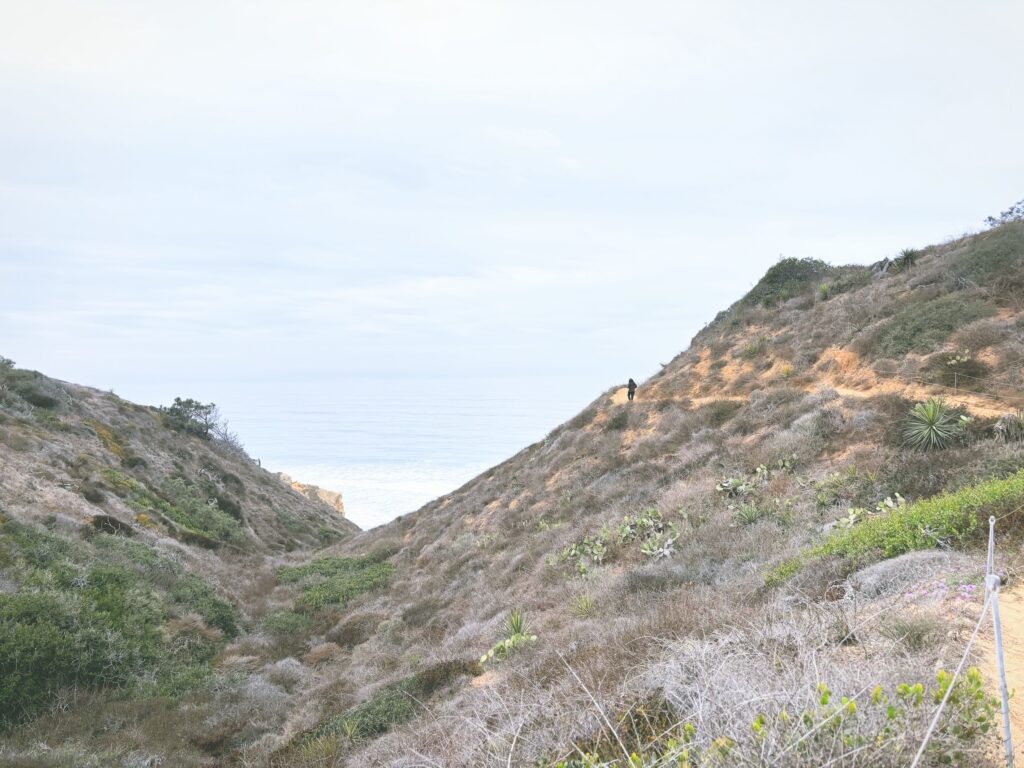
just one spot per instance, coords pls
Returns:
(992, 584)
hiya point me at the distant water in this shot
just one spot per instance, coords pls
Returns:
(391, 445)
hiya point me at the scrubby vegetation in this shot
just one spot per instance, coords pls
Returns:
(920, 328)
(181, 504)
(868, 727)
(391, 705)
(810, 438)
(950, 519)
(334, 581)
(99, 613)
(786, 279)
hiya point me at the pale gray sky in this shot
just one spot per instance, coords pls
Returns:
(233, 189)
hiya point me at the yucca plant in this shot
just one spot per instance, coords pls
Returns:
(1010, 427)
(515, 638)
(583, 607)
(907, 258)
(515, 624)
(932, 425)
(747, 514)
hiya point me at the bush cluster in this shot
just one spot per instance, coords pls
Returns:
(193, 512)
(334, 581)
(93, 614)
(945, 520)
(392, 705)
(878, 727)
(921, 327)
(786, 279)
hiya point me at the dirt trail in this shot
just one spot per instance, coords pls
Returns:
(1011, 616)
(980, 405)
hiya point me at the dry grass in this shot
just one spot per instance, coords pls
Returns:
(696, 628)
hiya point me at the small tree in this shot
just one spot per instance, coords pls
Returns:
(1014, 213)
(192, 417)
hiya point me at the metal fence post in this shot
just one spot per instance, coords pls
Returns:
(992, 585)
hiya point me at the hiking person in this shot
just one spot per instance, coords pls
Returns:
(631, 387)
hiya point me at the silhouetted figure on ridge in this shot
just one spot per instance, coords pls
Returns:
(631, 390)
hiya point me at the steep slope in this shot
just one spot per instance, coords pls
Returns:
(704, 573)
(637, 537)
(130, 552)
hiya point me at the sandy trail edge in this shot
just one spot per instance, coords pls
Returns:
(1011, 617)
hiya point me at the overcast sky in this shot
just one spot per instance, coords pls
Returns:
(337, 188)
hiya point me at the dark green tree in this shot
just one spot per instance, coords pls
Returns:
(192, 417)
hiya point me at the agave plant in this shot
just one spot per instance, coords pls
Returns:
(515, 624)
(1010, 427)
(932, 424)
(907, 258)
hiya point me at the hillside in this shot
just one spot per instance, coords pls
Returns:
(750, 564)
(129, 549)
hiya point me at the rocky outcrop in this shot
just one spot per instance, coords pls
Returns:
(315, 493)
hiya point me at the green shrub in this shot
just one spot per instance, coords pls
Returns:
(191, 416)
(334, 581)
(618, 422)
(198, 596)
(879, 727)
(957, 369)
(392, 705)
(93, 614)
(30, 387)
(754, 347)
(285, 623)
(932, 425)
(850, 488)
(949, 519)
(921, 327)
(102, 636)
(718, 412)
(191, 509)
(995, 261)
(786, 279)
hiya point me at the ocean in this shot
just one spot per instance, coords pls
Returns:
(391, 445)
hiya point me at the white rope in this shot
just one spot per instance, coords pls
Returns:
(949, 689)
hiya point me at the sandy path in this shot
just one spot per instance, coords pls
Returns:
(980, 405)
(1011, 616)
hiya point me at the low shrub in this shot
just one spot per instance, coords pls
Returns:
(334, 581)
(197, 595)
(194, 511)
(850, 488)
(915, 633)
(392, 705)
(1010, 427)
(875, 727)
(786, 279)
(995, 262)
(284, 623)
(618, 422)
(932, 425)
(921, 327)
(97, 613)
(945, 520)
(516, 636)
(957, 369)
(754, 347)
